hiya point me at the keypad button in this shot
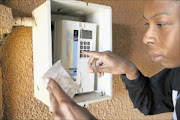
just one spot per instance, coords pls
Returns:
(81, 43)
(81, 55)
(88, 47)
(85, 43)
(88, 43)
(85, 55)
(85, 47)
(81, 47)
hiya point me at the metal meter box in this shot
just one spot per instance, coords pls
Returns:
(54, 13)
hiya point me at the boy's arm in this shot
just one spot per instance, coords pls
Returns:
(151, 95)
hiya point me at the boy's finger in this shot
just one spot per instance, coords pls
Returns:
(90, 62)
(101, 74)
(57, 91)
(99, 69)
(93, 54)
(98, 63)
(53, 101)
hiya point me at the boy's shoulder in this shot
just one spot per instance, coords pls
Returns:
(176, 79)
(168, 77)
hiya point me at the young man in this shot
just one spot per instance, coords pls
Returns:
(158, 94)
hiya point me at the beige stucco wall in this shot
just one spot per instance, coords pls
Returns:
(17, 65)
(1, 102)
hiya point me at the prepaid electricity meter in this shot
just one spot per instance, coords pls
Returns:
(70, 39)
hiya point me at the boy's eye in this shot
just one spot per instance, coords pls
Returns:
(146, 24)
(161, 24)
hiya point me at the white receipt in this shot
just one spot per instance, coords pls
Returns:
(59, 74)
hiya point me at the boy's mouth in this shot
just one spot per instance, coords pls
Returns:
(156, 58)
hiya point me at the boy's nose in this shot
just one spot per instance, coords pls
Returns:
(150, 37)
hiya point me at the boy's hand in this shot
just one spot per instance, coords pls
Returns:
(64, 108)
(108, 62)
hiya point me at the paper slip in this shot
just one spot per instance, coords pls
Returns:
(59, 74)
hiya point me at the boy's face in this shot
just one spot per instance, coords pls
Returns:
(163, 33)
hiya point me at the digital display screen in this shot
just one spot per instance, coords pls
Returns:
(86, 34)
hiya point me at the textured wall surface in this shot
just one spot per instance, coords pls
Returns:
(1, 102)
(17, 65)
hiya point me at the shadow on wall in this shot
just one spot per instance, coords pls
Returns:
(122, 40)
